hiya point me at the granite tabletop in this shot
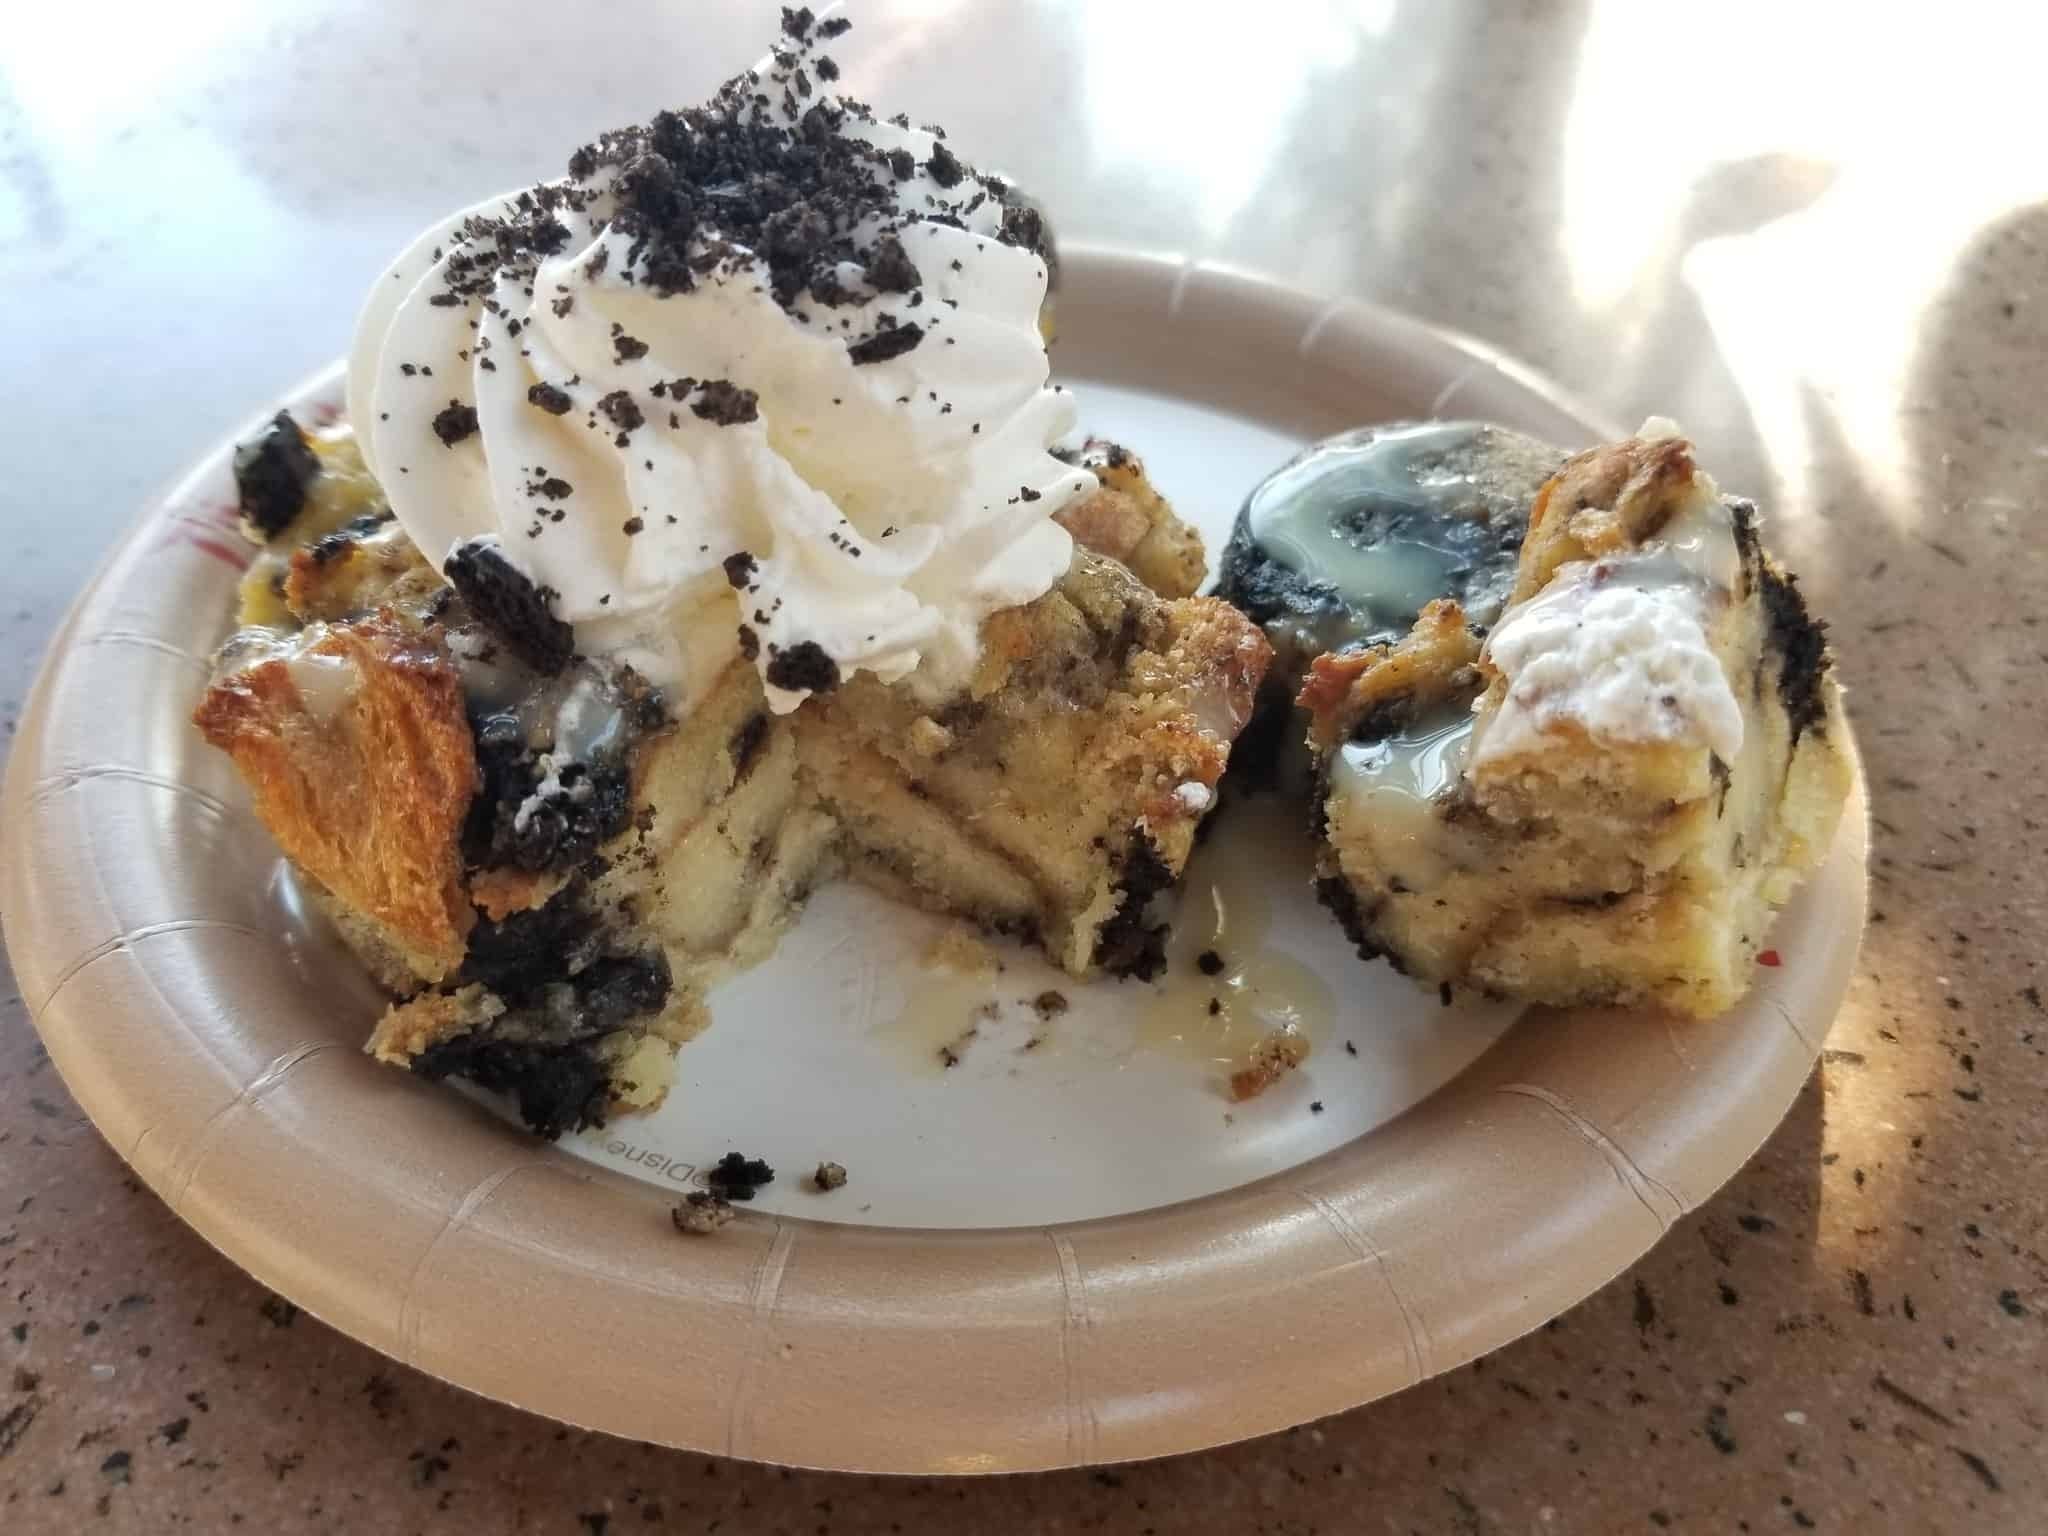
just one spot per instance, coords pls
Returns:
(1814, 235)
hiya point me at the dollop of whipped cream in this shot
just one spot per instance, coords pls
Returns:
(1618, 647)
(764, 378)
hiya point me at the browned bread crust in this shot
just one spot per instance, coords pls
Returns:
(1434, 660)
(1128, 520)
(1601, 502)
(368, 795)
(500, 892)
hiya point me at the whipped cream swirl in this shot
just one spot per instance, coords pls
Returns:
(764, 378)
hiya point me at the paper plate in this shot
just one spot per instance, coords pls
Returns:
(1066, 1247)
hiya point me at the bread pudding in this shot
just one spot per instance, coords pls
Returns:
(546, 867)
(1601, 799)
(697, 536)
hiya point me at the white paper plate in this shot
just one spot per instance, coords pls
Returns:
(1069, 1252)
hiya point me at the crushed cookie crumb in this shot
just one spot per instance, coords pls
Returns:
(550, 398)
(725, 404)
(892, 341)
(623, 411)
(626, 349)
(517, 612)
(737, 1176)
(803, 667)
(454, 422)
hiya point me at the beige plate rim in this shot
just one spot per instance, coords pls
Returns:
(413, 1221)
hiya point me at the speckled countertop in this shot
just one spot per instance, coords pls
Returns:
(1817, 239)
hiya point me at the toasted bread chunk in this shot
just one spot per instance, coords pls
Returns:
(353, 739)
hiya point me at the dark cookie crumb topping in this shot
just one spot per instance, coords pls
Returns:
(510, 606)
(893, 341)
(765, 178)
(623, 411)
(272, 473)
(737, 1177)
(805, 666)
(454, 422)
(724, 403)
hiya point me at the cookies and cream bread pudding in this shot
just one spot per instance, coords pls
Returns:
(696, 536)
(703, 527)
(1603, 796)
